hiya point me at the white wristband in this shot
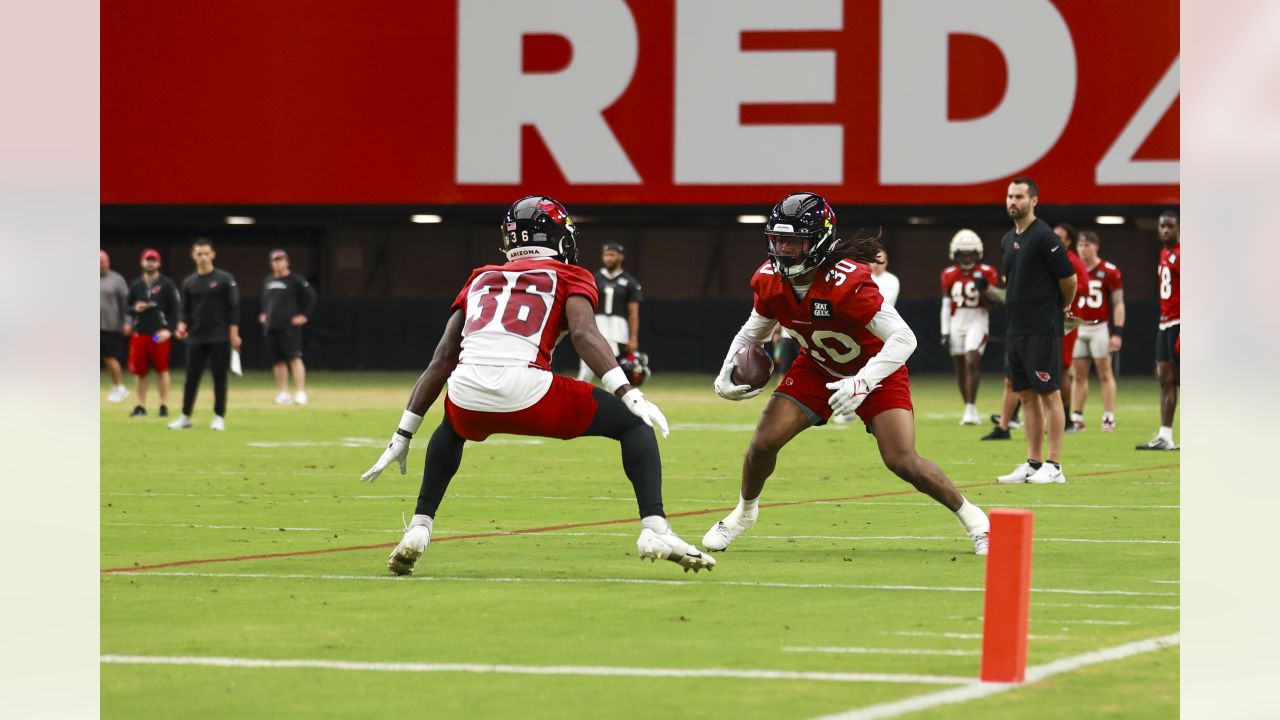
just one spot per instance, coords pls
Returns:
(410, 422)
(614, 379)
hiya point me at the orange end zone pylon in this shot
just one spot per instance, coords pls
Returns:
(1008, 598)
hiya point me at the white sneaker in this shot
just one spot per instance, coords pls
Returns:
(218, 423)
(1157, 443)
(725, 532)
(1019, 474)
(411, 547)
(182, 423)
(300, 398)
(118, 394)
(981, 542)
(668, 546)
(284, 399)
(1048, 473)
(971, 417)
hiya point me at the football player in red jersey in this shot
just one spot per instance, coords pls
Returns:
(1169, 272)
(1071, 326)
(496, 353)
(1099, 300)
(852, 359)
(968, 288)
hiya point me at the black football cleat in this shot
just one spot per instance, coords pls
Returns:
(997, 433)
(138, 411)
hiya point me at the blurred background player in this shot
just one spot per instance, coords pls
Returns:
(618, 314)
(854, 349)
(1040, 288)
(1071, 324)
(1098, 302)
(112, 296)
(211, 326)
(287, 302)
(496, 356)
(967, 286)
(154, 308)
(1168, 349)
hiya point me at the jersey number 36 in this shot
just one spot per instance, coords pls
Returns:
(522, 299)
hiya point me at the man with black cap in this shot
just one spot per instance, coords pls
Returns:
(618, 315)
(287, 302)
(155, 305)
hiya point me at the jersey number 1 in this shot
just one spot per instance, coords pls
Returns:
(524, 308)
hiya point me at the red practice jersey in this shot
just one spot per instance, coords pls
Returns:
(830, 321)
(1082, 273)
(1168, 273)
(1093, 300)
(957, 284)
(516, 312)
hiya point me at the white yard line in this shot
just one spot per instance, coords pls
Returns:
(880, 651)
(578, 670)
(622, 581)
(965, 636)
(978, 690)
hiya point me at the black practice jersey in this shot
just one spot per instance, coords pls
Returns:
(1033, 263)
(284, 297)
(164, 305)
(616, 292)
(210, 305)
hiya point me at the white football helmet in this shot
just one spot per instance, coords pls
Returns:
(966, 241)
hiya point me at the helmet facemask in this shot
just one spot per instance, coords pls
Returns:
(800, 217)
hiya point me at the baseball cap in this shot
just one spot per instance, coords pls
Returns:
(278, 253)
(615, 246)
(150, 253)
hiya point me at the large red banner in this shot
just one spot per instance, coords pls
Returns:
(640, 101)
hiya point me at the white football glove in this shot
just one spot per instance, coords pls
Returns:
(849, 394)
(397, 451)
(645, 410)
(727, 390)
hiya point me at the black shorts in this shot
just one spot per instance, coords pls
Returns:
(284, 344)
(111, 344)
(1166, 340)
(1034, 362)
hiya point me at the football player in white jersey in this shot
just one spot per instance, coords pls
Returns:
(496, 356)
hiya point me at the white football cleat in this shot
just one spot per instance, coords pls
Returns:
(300, 398)
(981, 542)
(668, 546)
(118, 394)
(283, 398)
(1157, 443)
(1048, 473)
(411, 547)
(726, 531)
(218, 423)
(1019, 474)
(182, 423)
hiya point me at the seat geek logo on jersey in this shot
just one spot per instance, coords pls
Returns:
(821, 310)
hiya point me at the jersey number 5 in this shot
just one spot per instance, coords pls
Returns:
(524, 307)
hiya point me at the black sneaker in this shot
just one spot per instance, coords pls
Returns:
(997, 433)
(1013, 422)
(138, 411)
(164, 411)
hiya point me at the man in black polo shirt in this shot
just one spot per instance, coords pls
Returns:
(211, 326)
(287, 302)
(1040, 287)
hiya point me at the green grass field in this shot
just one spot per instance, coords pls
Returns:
(859, 576)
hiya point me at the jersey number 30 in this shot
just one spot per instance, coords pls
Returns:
(524, 306)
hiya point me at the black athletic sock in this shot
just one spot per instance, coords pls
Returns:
(444, 455)
(1035, 464)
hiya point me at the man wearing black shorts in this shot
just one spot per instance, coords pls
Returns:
(1040, 287)
(211, 326)
(287, 302)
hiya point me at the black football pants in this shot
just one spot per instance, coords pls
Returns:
(218, 357)
(641, 460)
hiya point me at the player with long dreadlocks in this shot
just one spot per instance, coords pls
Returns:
(852, 359)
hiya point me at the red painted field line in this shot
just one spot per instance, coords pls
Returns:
(553, 528)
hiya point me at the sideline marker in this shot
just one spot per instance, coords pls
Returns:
(1007, 608)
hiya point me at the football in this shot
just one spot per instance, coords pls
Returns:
(752, 366)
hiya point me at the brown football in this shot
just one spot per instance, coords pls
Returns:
(751, 366)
